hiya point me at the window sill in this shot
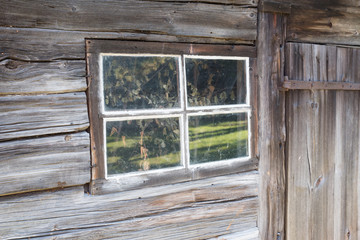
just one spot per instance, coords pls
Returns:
(126, 182)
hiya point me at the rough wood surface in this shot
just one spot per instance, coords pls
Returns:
(42, 163)
(122, 183)
(248, 3)
(166, 18)
(323, 147)
(25, 116)
(324, 23)
(18, 77)
(320, 85)
(45, 45)
(201, 209)
(271, 126)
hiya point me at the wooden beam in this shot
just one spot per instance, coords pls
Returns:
(48, 45)
(43, 163)
(203, 209)
(312, 85)
(324, 23)
(164, 18)
(272, 134)
(25, 78)
(36, 115)
(275, 7)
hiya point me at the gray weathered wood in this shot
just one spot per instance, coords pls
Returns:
(319, 85)
(324, 23)
(25, 116)
(42, 44)
(166, 18)
(323, 140)
(17, 77)
(122, 183)
(201, 209)
(42, 163)
(272, 134)
(248, 3)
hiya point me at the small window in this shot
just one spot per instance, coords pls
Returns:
(161, 113)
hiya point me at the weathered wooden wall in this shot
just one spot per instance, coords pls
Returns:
(323, 145)
(217, 208)
(44, 142)
(324, 21)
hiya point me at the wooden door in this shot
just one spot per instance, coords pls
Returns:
(323, 194)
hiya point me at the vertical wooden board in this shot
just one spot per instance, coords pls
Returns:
(25, 116)
(42, 163)
(19, 77)
(347, 155)
(311, 136)
(271, 126)
(323, 126)
(348, 64)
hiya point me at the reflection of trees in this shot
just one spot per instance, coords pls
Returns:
(215, 82)
(140, 82)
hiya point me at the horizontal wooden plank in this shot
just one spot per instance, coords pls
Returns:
(18, 77)
(124, 182)
(25, 116)
(42, 163)
(316, 85)
(251, 3)
(108, 46)
(324, 23)
(166, 18)
(45, 45)
(275, 7)
(200, 209)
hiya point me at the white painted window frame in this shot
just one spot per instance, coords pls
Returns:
(182, 112)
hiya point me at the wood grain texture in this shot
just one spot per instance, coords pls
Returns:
(247, 3)
(25, 116)
(324, 23)
(42, 163)
(323, 140)
(201, 209)
(22, 78)
(319, 85)
(45, 45)
(166, 18)
(123, 183)
(272, 134)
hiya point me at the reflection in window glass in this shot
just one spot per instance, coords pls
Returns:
(141, 145)
(140, 82)
(218, 137)
(215, 82)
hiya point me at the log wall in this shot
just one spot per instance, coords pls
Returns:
(308, 193)
(44, 140)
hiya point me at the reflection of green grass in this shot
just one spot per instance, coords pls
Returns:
(208, 142)
(213, 142)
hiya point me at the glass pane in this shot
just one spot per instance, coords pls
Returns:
(140, 82)
(141, 145)
(215, 82)
(218, 137)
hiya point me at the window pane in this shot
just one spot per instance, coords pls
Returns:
(218, 137)
(140, 82)
(215, 82)
(140, 145)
